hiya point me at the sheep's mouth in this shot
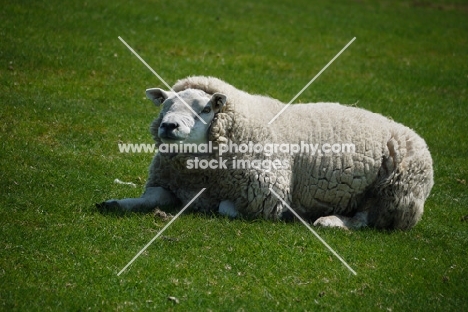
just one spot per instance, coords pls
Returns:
(170, 136)
(171, 139)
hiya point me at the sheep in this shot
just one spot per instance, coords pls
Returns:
(382, 183)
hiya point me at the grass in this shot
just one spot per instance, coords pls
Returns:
(70, 91)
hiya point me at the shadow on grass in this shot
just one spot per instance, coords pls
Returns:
(168, 212)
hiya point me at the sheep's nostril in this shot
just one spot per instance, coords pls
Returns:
(168, 126)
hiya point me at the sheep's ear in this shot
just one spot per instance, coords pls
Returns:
(158, 96)
(218, 100)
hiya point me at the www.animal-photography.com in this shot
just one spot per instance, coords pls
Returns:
(234, 156)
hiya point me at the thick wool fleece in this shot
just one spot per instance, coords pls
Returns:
(389, 174)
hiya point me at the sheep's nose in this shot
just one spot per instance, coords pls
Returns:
(168, 126)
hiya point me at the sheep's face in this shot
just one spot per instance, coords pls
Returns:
(182, 112)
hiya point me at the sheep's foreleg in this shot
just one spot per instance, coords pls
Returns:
(152, 197)
(227, 208)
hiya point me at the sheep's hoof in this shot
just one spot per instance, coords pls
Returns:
(109, 206)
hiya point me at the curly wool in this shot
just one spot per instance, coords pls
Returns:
(389, 174)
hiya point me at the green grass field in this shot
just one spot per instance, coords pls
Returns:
(70, 91)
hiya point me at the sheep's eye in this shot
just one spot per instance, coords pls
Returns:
(206, 110)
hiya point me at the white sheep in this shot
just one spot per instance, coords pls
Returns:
(383, 182)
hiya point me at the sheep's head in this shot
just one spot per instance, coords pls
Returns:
(180, 119)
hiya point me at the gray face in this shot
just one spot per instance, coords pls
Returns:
(182, 114)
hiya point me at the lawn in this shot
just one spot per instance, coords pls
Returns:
(71, 91)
